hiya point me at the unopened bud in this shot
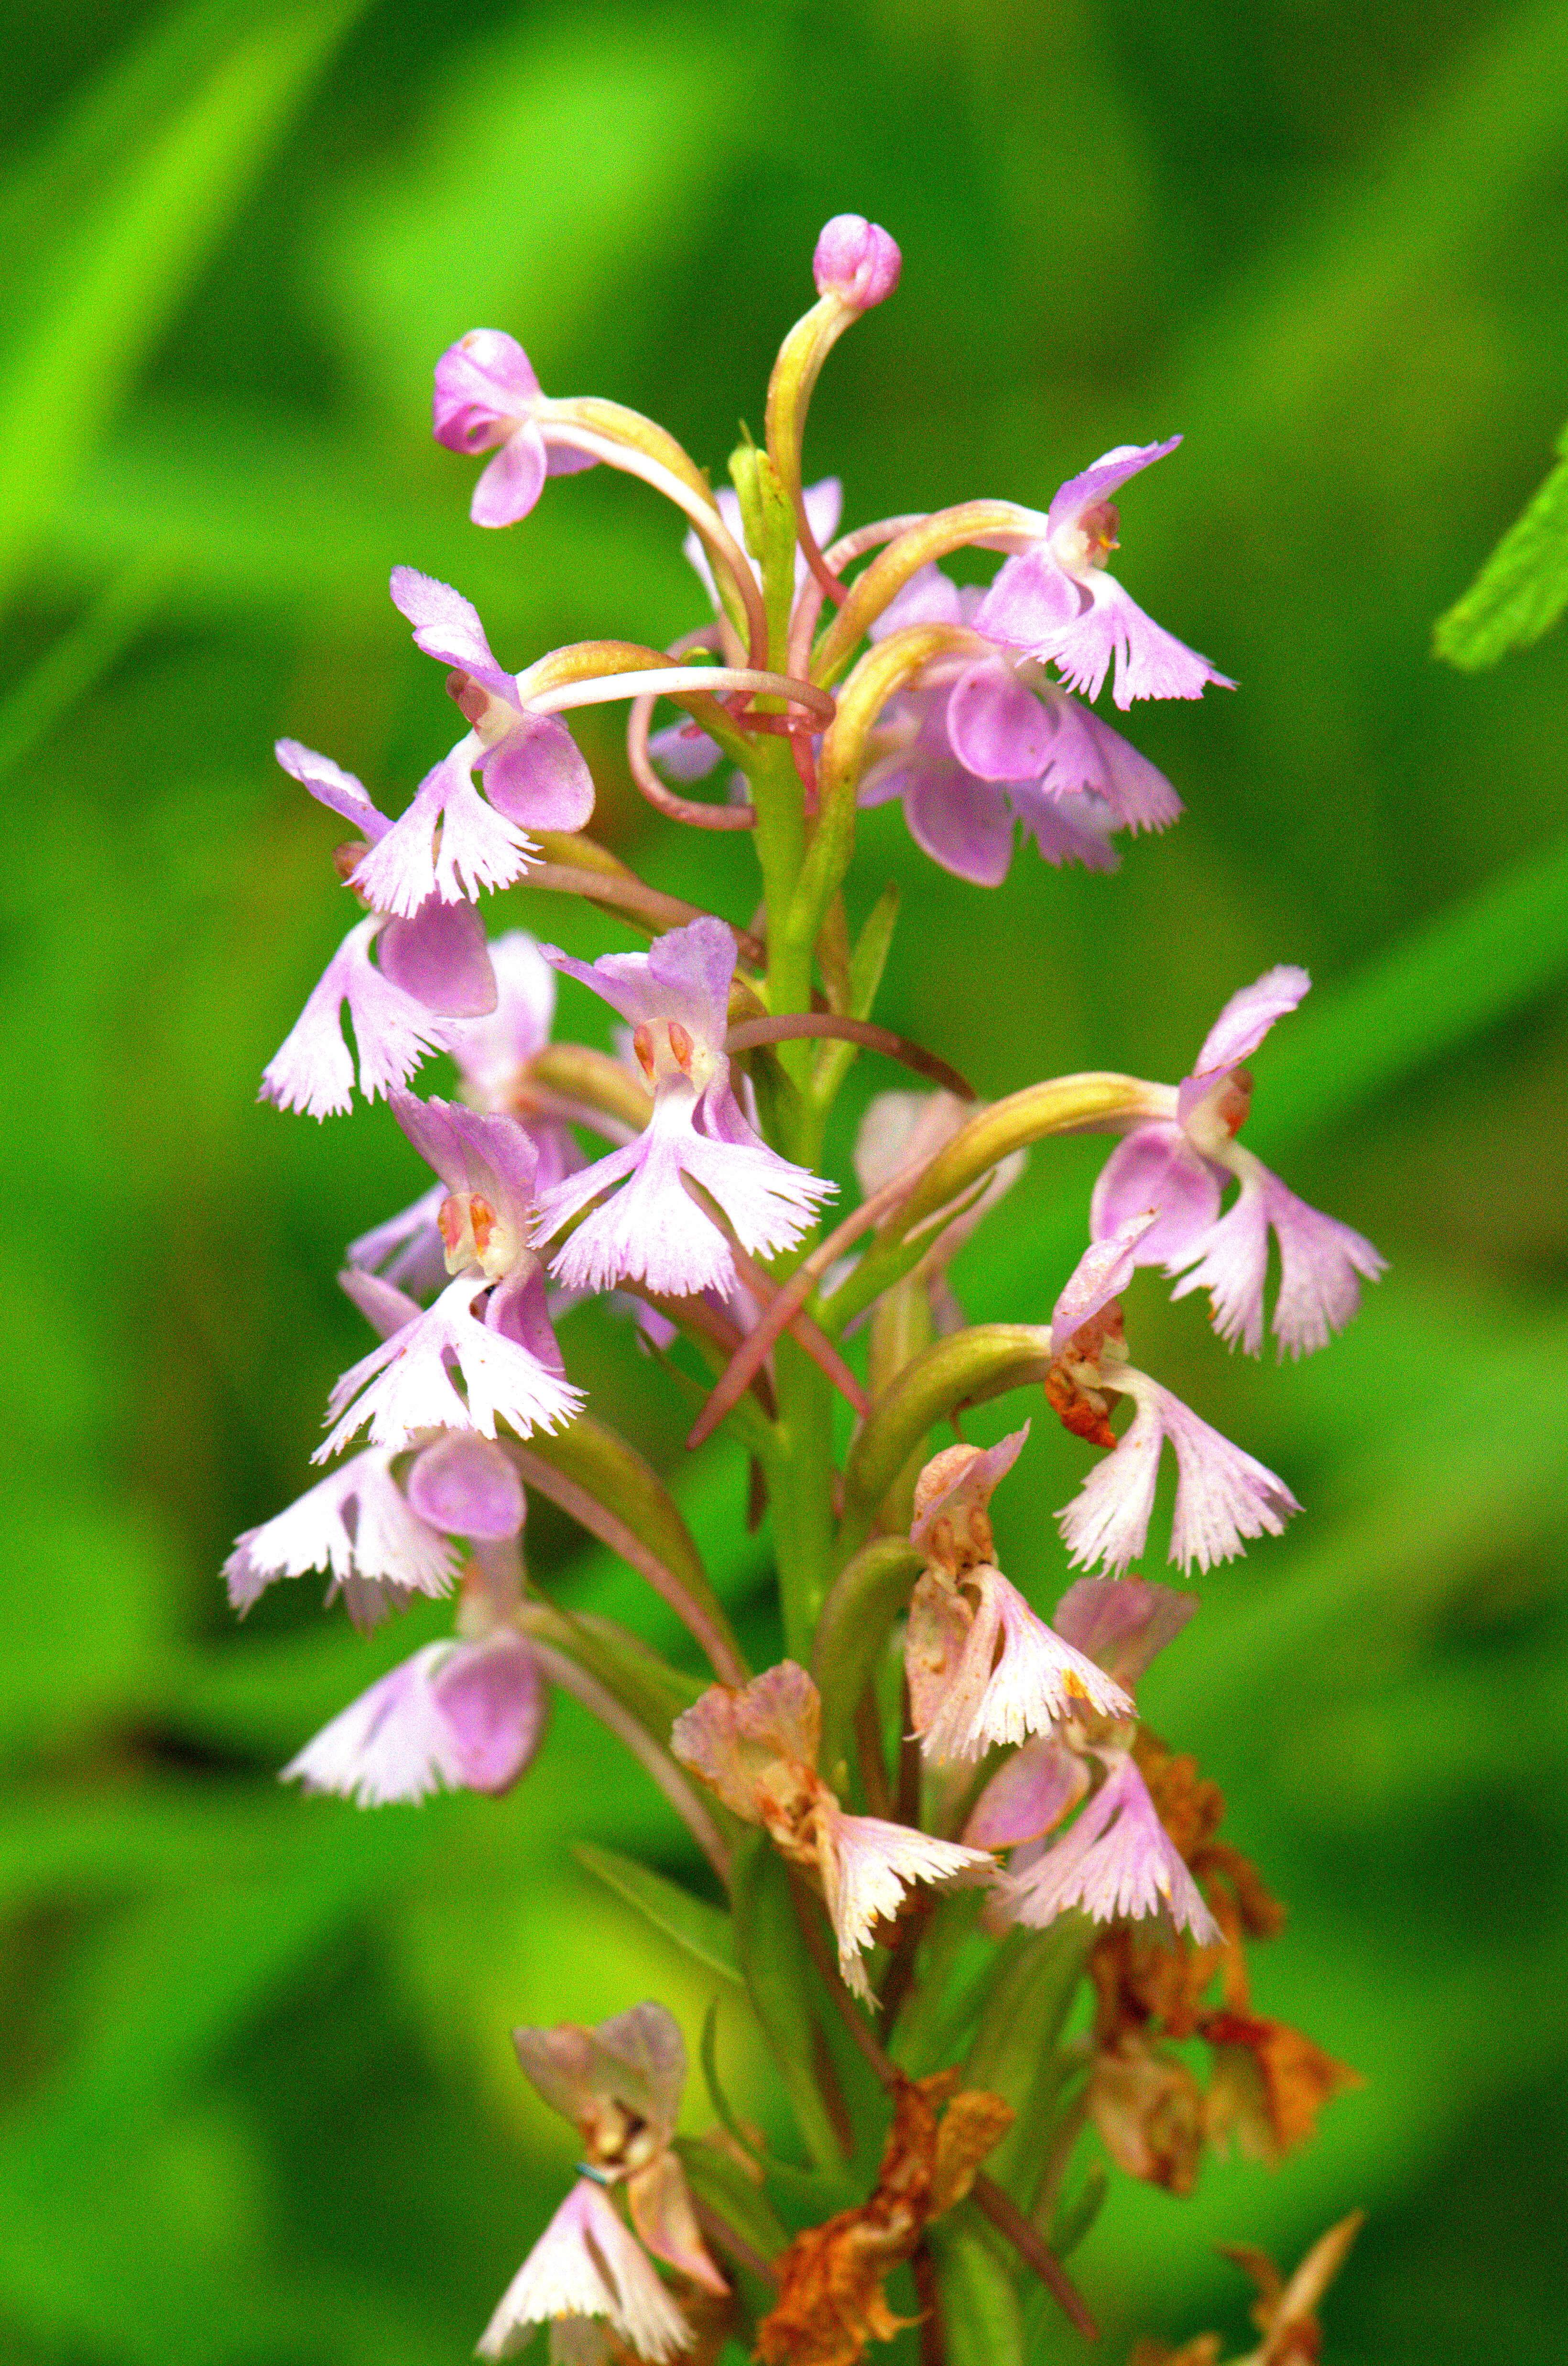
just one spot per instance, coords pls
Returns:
(857, 261)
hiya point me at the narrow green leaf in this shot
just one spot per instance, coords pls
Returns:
(982, 2317)
(778, 1973)
(1074, 2218)
(724, 2185)
(691, 1922)
(121, 274)
(866, 962)
(1523, 588)
(865, 1599)
(1013, 2051)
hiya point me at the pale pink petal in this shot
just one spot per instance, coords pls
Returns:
(1086, 757)
(1102, 1273)
(660, 2202)
(313, 1070)
(1028, 1795)
(996, 728)
(1116, 1862)
(492, 1699)
(651, 1230)
(867, 1865)
(1067, 829)
(685, 974)
(514, 479)
(406, 1384)
(1156, 1166)
(392, 1743)
(684, 752)
(585, 2264)
(1150, 662)
(479, 847)
(824, 505)
(960, 822)
(467, 1486)
(330, 785)
(448, 627)
(490, 1051)
(1100, 480)
(536, 776)
(1241, 1027)
(1320, 1259)
(1121, 1623)
(440, 958)
(1033, 1680)
(414, 1232)
(355, 1523)
(1032, 603)
(484, 385)
(769, 1201)
(928, 597)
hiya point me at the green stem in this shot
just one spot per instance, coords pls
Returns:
(800, 1484)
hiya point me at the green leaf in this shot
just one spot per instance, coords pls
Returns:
(116, 278)
(779, 1976)
(1013, 2052)
(691, 1922)
(1523, 588)
(865, 1599)
(1074, 2218)
(982, 2317)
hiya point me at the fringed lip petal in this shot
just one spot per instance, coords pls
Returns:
(1117, 1862)
(1150, 661)
(355, 1523)
(586, 2265)
(1015, 1677)
(313, 1069)
(406, 1386)
(868, 1865)
(1222, 1494)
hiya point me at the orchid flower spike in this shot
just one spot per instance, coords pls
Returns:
(508, 1358)
(981, 741)
(1222, 1494)
(451, 841)
(487, 400)
(982, 1668)
(1180, 1163)
(432, 970)
(675, 998)
(1056, 601)
(757, 1749)
(621, 2085)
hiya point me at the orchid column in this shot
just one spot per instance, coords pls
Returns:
(939, 1815)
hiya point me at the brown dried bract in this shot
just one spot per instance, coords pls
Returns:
(831, 2301)
(1269, 2083)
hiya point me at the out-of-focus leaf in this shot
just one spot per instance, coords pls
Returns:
(43, 698)
(778, 1973)
(981, 2315)
(120, 273)
(1523, 588)
(603, 138)
(1424, 997)
(280, 520)
(691, 1922)
(1013, 2052)
(1077, 2215)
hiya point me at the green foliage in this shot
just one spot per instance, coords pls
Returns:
(1523, 588)
(260, 2101)
(691, 1922)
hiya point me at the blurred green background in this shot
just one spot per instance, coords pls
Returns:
(260, 2103)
